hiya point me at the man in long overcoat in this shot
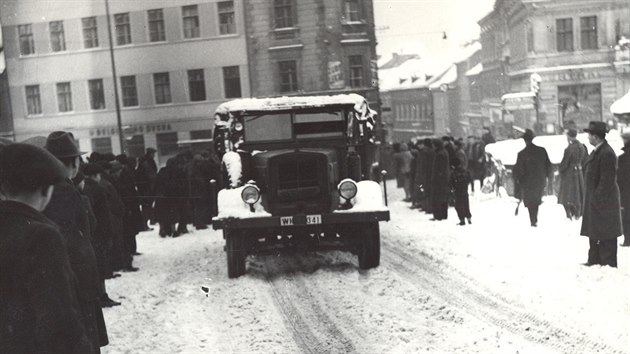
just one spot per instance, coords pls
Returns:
(623, 180)
(531, 171)
(602, 209)
(440, 181)
(65, 210)
(428, 175)
(39, 307)
(571, 193)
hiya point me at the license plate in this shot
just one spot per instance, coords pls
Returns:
(313, 219)
(286, 221)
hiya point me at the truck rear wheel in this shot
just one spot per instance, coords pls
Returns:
(370, 246)
(236, 253)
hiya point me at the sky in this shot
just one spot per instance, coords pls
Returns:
(417, 26)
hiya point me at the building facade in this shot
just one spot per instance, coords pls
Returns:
(573, 45)
(300, 47)
(175, 61)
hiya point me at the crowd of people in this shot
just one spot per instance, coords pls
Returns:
(69, 223)
(437, 172)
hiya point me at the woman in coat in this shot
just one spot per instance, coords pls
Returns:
(571, 193)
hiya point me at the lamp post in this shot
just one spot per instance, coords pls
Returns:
(121, 138)
(534, 82)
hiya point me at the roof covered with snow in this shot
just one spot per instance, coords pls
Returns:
(514, 95)
(447, 77)
(412, 73)
(622, 105)
(278, 103)
(475, 70)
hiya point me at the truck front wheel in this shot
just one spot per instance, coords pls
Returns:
(370, 246)
(236, 253)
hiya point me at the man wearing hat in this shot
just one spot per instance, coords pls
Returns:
(602, 210)
(531, 171)
(65, 210)
(39, 308)
(623, 180)
(571, 193)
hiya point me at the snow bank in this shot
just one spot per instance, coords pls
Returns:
(369, 198)
(231, 205)
(232, 161)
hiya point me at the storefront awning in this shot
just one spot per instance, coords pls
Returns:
(622, 105)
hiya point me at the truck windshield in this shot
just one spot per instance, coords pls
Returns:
(299, 125)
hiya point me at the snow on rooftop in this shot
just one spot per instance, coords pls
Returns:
(447, 77)
(475, 70)
(413, 73)
(275, 103)
(622, 105)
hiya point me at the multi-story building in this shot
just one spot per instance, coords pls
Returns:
(175, 61)
(299, 47)
(571, 44)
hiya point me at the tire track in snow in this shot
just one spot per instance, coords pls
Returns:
(420, 270)
(312, 329)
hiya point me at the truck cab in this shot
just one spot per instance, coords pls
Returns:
(296, 176)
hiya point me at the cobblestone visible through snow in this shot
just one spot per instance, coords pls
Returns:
(497, 286)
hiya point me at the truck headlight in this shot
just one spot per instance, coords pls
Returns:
(347, 189)
(250, 194)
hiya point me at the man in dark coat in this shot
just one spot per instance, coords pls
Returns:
(602, 209)
(65, 210)
(440, 181)
(146, 173)
(39, 307)
(571, 193)
(132, 220)
(168, 191)
(102, 232)
(531, 171)
(623, 180)
(419, 176)
(428, 176)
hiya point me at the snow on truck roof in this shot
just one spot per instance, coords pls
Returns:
(293, 102)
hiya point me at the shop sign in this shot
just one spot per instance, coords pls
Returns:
(131, 129)
(518, 103)
(335, 75)
(575, 75)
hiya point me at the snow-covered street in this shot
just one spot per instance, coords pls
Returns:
(496, 286)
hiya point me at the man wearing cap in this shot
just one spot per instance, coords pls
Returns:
(39, 309)
(571, 193)
(623, 180)
(65, 210)
(531, 171)
(602, 210)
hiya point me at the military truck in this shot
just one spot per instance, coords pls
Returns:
(296, 177)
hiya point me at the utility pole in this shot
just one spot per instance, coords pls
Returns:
(121, 138)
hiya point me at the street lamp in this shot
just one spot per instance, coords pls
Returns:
(121, 138)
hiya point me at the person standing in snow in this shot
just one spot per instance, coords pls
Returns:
(623, 180)
(65, 210)
(460, 181)
(602, 209)
(531, 171)
(402, 162)
(428, 175)
(440, 181)
(571, 193)
(39, 306)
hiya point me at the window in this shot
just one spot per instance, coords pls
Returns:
(97, 94)
(191, 21)
(166, 144)
(33, 100)
(530, 37)
(283, 13)
(123, 29)
(288, 76)
(162, 85)
(356, 70)
(352, 10)
(129, 91)
(226, 17)
(90, 33)
(232, 82)
(64, 96)
(588, 31)
(196, 85)
(102, 145)
(156, 25)
(564, 34)
(201, 134)
(27, 44)
(268, 127)
(135, 145)
(57, 37)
